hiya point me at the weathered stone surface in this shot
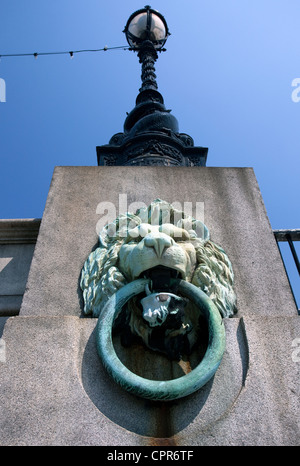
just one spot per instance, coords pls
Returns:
(266, 411)
(54, 391)
(15, 260)
(233, 211)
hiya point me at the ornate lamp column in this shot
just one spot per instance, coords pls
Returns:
(147, 32)
(151, 134)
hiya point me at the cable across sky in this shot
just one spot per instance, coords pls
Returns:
(71, 52)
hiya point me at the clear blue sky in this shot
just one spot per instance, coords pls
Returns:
(227, 76)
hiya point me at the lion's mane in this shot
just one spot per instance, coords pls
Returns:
(101, 277)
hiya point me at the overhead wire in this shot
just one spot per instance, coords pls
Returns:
(71, 52)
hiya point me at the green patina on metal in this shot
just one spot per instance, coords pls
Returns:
(170, 389)
(158, 277)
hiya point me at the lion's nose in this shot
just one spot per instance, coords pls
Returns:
(158, 242)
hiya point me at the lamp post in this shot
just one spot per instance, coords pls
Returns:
(151, 134)
(146, 33)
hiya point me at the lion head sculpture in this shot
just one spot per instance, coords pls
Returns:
(162, 244)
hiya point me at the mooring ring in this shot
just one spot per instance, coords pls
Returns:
(165, 389)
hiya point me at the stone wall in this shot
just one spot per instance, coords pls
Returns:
(54, 390)
(17, 243)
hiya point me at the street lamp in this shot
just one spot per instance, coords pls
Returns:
(146, 33)
(151, 133)
(146, 24)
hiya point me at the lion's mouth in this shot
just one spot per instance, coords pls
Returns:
(162, 307)
(162, 279)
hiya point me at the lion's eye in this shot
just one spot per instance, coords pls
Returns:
(177, 233)
(132, 239)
